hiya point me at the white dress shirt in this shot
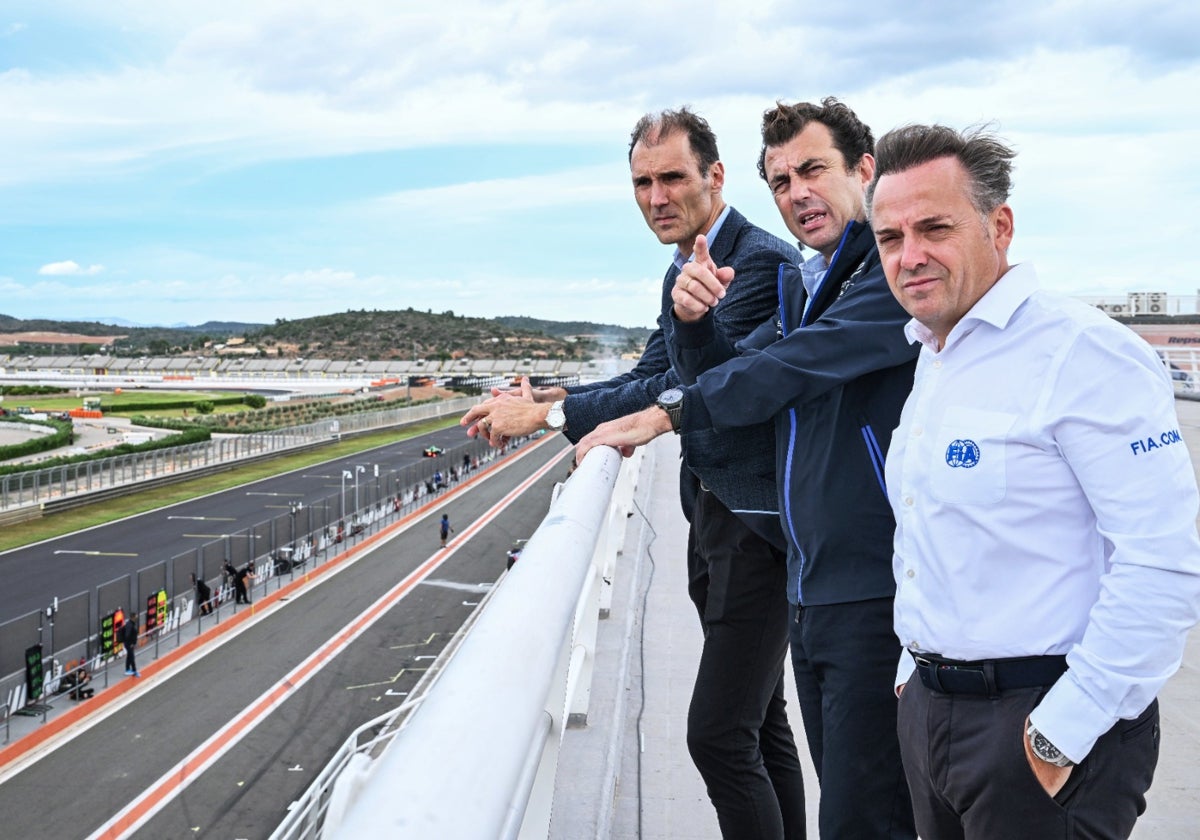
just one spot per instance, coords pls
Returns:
(1046, 504)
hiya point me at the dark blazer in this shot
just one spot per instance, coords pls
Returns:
(737, 465)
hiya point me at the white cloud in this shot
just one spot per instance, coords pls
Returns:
(245, 82)
(70, 267)
(10, 29)
(1098, 98)
(496, 197)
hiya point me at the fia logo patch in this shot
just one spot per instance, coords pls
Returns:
(962, 453)
(1143, 445)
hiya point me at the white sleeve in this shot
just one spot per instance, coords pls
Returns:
(1118, 431)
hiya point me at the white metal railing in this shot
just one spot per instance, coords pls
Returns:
(1187, 358)
(1183, 364)
(477, 759)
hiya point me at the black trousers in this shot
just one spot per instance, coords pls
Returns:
(966, 764)
(844, 657)
(738, 733)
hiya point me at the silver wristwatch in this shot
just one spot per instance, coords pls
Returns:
(556, 418)
(1046, 751)
(671, 401)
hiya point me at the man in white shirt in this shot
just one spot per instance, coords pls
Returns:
(1046, 555)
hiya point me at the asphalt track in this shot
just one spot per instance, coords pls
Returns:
(34, 575)
(217, 741)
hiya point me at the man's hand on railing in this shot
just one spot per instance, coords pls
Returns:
(626, 433)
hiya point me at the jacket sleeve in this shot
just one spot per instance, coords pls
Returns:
(738, 322)
(587, 411)
(700, 345)
(861, 332)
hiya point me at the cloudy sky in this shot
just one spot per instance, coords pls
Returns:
(176, 162)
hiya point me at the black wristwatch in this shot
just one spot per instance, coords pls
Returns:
(1046, 751)
(671, 401)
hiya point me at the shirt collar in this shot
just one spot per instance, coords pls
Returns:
(710, 235)
(814, 269)
(812, 272)
(996, 307)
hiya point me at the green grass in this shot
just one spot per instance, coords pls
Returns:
(99, 513)
(66, 402)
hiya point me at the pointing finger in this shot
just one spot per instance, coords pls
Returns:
(700, 254)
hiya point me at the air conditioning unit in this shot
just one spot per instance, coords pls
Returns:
(1156, 303)
(1114, 308)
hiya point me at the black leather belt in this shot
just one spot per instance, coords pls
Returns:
(987, 678)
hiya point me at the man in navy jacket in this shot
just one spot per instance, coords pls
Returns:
(832, 370)
(738, 733)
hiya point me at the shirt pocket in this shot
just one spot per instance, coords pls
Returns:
(968, 456)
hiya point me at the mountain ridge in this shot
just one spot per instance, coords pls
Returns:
(374, 334)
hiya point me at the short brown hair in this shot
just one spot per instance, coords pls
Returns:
(851, 136)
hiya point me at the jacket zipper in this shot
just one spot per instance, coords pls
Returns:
(783, 329)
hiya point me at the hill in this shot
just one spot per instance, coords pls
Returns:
(125, 340)
(361, 334)
(411, 334)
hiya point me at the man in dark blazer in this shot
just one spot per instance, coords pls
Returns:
(738, 733)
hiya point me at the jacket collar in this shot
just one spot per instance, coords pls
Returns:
(856, 248)
(721, 247)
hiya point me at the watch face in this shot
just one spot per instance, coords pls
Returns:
(671, 401)
(670, 397)
(1043, 747)
(1044, 750)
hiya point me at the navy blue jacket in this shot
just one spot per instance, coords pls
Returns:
(834, 380)
(737, 465)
